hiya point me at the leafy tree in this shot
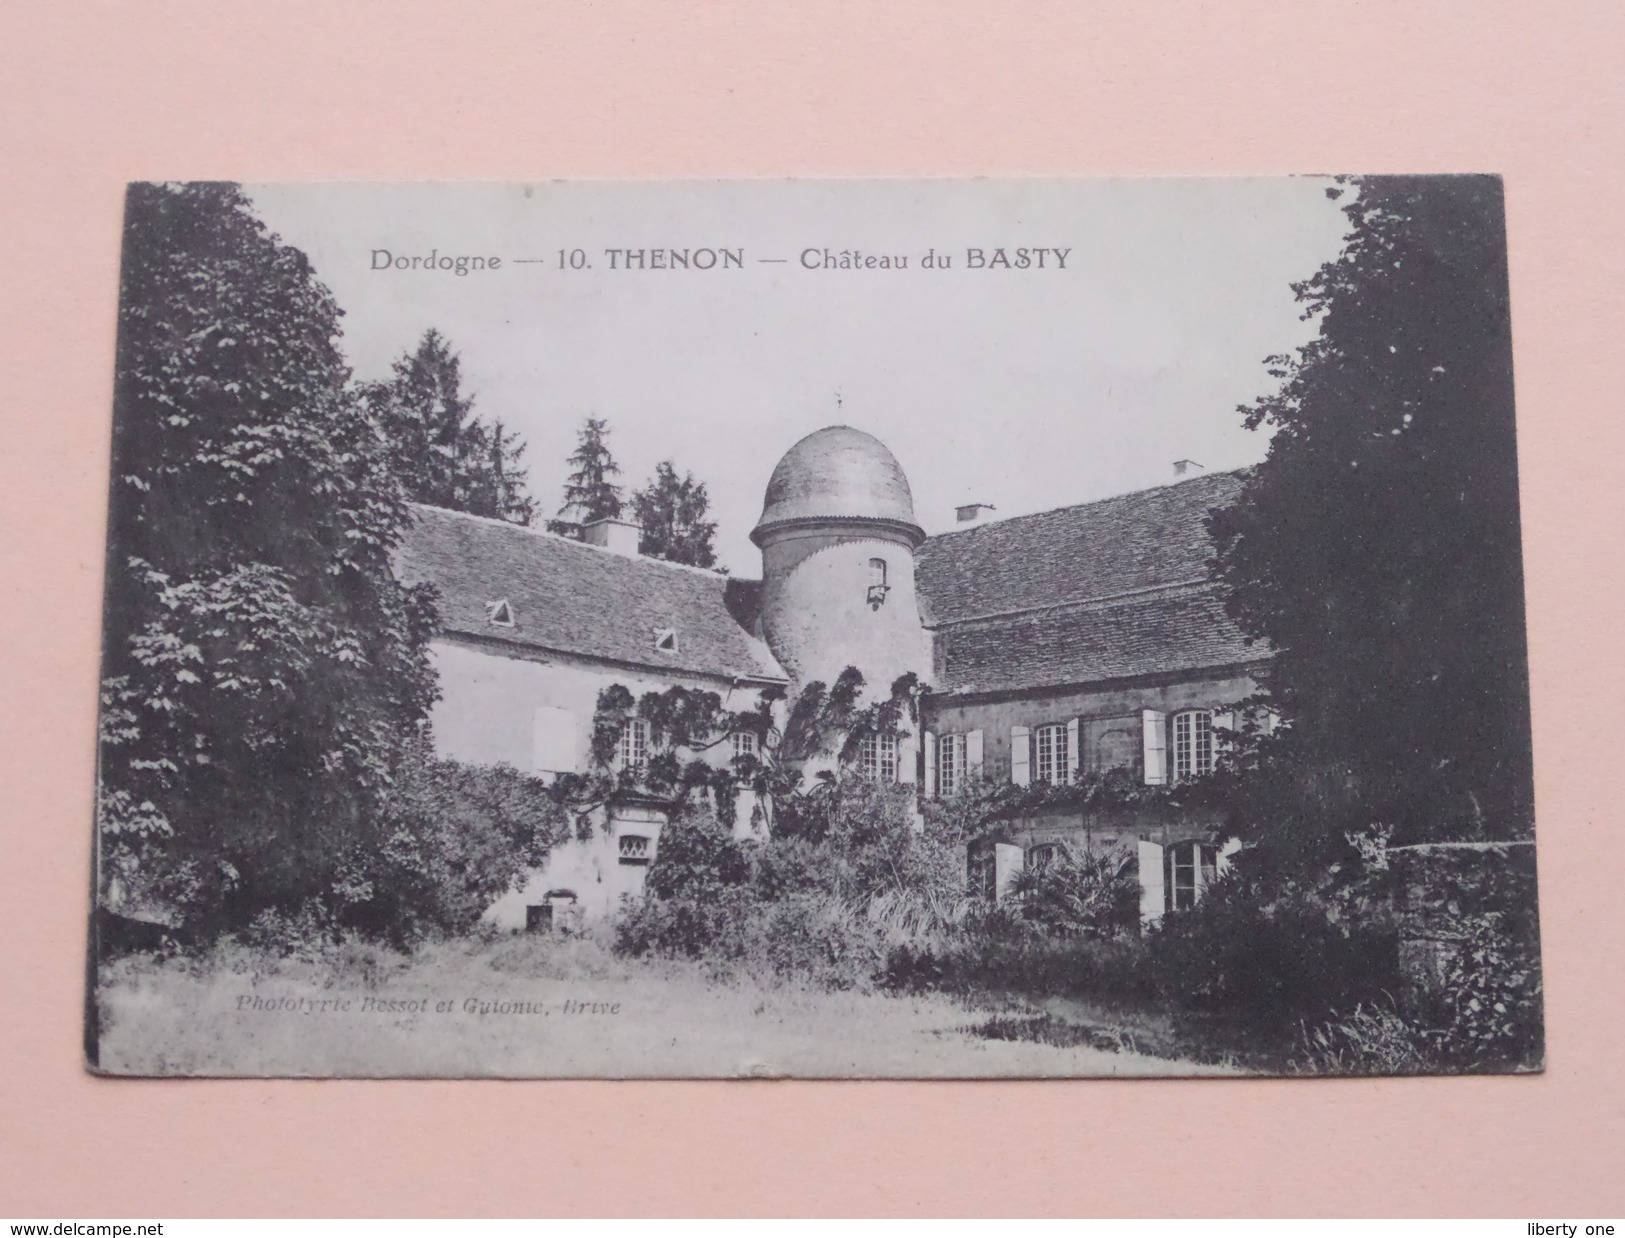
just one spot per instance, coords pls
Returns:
(671, 511)
(262, 666)
(1377, 548)
(446, 456)
(589, 494)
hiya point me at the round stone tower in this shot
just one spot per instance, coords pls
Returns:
(838, 537)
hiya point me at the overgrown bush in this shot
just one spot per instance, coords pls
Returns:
(1081, 895)
(818, 906)
(1268, 956)
(306, 933)
(807, 936)
(997, 952)
(1494, 1004)
(462, 836)
(1488, 1017)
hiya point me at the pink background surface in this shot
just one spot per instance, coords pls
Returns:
(92, 95)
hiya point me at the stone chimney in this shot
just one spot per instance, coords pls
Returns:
(1181, 467)
(972, 513)
(620, 536)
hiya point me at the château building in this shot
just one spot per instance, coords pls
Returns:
(1058, 645)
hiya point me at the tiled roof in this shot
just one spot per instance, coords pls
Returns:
(1072, 554)
(1182, 630)
(1107, 590)
(579, 599)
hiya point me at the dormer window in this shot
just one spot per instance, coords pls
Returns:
(665, 640)
(500, 613)
(878, 588)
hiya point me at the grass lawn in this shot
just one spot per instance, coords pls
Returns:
(531, 1006)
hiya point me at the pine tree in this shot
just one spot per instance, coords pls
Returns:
(494, 479)
(671, 511)
(589, 494)
(446, 456)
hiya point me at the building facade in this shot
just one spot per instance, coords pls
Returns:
(533, 627)
(1057, 646)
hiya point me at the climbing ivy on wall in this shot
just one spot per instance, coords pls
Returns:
(824, 721)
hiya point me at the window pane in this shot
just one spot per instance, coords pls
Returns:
(634, 741)
(950, 762)
(1184, 875)
(1050, 754)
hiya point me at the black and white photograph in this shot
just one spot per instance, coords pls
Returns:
(818, 629)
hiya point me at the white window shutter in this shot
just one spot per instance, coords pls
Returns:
(908, 760)
(1151, 896)
(1229, 849)
(931, 787)
(553, 741)
(973, 754)
(1223, 719)
(1020, 757)
(1072, 752)
(1155, 727)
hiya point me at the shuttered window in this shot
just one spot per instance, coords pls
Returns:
(1193, 867)
(950, 763)
(1193, 744)
(1051, 760)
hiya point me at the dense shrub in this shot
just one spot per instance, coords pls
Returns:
(698, 857)
(1081, 895)
(698, 899)
(998, 953)
(462, 836)
(1469, 996)
(684, 926)
(1269, 957)
(1494, 1015)
(819, 909)
(807, 936)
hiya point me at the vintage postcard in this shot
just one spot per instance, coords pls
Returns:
(885, 629)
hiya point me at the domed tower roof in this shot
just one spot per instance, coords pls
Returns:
(839, 474)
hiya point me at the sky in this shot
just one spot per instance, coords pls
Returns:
(1024, 388)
